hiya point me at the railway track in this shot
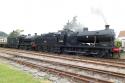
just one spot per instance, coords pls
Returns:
(82, 78)
(115, 74)
(118, 61)
(108, 73)
(91, 61)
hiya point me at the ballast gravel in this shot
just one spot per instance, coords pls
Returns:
(38, 74)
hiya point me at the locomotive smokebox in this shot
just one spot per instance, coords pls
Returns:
(107, 27)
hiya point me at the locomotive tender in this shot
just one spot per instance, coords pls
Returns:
(98, 43)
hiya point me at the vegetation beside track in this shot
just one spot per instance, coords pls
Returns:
(122, 55)
(11, 75)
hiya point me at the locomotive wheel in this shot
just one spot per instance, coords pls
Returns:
(102, 54)
(38, 48)
(108, 55)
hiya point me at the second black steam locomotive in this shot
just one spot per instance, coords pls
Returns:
(83, 42)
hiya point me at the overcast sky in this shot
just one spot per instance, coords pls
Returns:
(44, 16)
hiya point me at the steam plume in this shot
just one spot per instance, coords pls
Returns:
(97, 11)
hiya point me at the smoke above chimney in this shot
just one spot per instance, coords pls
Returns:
(99, 12)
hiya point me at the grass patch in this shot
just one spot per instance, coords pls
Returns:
(10, 75)
(122, 53)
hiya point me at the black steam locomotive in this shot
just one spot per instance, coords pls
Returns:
(90, 43)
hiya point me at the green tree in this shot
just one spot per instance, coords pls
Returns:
(118, 43)
(15, 33)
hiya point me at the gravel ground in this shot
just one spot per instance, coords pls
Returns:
(79, 71)
(38, 74)
(89, 65)
(57, 79)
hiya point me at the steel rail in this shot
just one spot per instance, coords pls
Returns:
(117, 61)
(73, 59)
(111, 73)
(85, 79)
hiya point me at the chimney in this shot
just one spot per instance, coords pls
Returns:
(85, 29)
(35, 34)
(29, 34)
(107, 27)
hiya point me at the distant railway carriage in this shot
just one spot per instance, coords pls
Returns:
(3, 41)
